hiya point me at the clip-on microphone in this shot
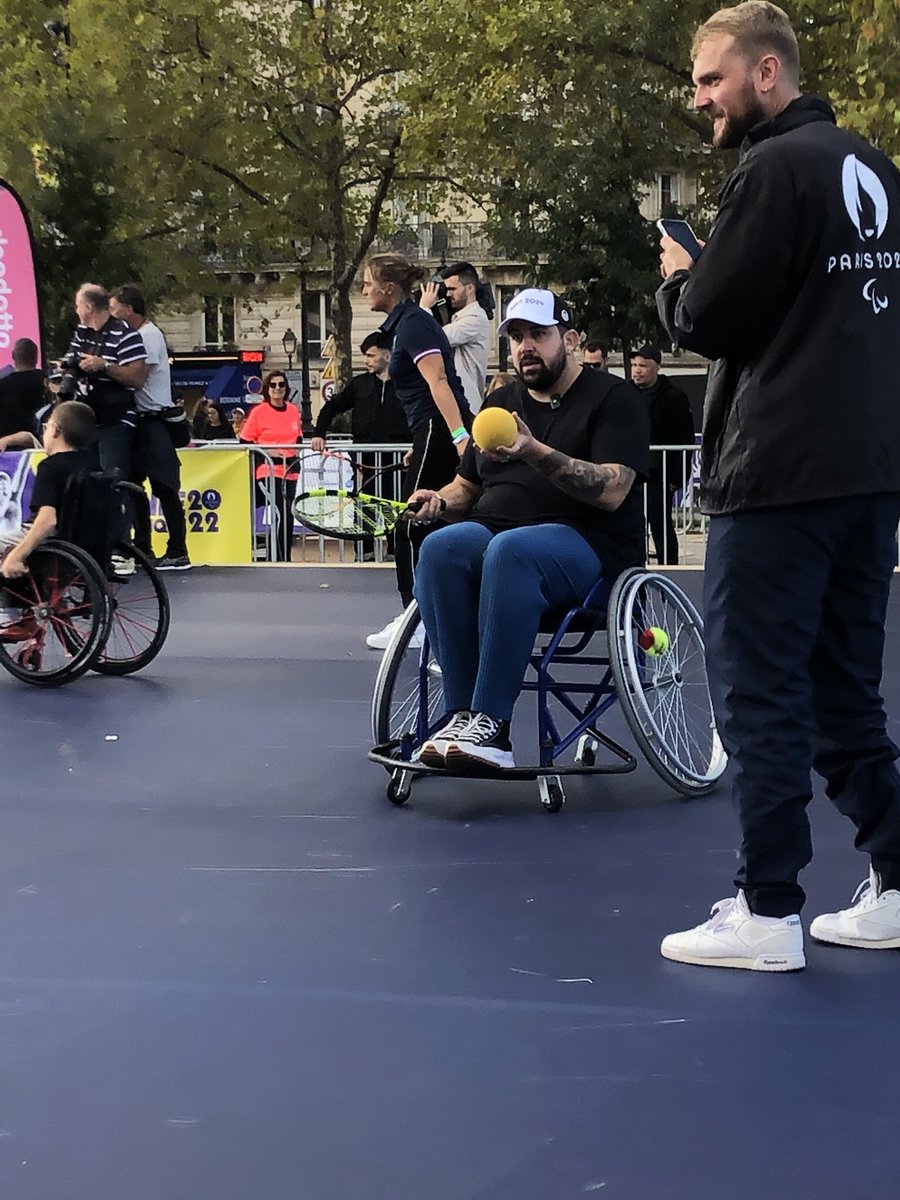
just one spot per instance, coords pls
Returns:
(555, 401)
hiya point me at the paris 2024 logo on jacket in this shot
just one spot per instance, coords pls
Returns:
(867, 205)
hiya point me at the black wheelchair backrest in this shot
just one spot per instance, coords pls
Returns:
(94, 516)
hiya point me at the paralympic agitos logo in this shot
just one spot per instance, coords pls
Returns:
(866, 202)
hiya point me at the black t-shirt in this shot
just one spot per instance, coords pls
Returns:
(21, 395)
(53, 475)
(600, 419)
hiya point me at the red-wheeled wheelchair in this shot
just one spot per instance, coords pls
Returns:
(74, 611)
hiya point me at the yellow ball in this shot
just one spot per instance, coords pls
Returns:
(494, 427)
(654, 641)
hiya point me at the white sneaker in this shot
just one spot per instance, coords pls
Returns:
(872, 922)
(434, 752)
(382, 639)
(122, 566)
(735, 937)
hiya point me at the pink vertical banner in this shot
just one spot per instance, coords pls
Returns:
(19, 311)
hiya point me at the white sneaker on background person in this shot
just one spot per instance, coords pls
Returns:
(381, 639)
(872, 922)
(733, 936)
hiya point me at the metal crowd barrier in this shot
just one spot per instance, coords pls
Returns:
(377, 468)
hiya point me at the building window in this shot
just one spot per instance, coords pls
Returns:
(669, 195)
(319, 326)
(218, 321)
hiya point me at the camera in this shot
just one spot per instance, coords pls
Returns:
(442, 312)
(70, 378)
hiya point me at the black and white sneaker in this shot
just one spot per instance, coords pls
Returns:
(484, 743)
(433, 752)
(173, 562)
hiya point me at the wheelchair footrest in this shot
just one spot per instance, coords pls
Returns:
(384, 755)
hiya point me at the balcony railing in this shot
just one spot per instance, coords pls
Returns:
(442, 241)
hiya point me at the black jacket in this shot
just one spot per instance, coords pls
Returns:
(376, 415)
(21, 396)
(671, 424)
(797, 297)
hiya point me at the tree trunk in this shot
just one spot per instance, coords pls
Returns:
(342, 318)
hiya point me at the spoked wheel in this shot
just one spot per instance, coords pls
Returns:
(53, 619)
(657, 656)
(398, 693)
(138, 613)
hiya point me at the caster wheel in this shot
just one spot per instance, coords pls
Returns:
(399, 788)
(586, 754)
(552, 795)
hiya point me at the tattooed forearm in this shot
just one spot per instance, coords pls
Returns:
(604, 485)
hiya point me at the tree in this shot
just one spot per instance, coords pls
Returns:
(182, 146)
(603, 104)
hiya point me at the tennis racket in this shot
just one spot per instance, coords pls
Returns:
(348, 515)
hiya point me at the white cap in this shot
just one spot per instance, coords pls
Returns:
(538, 306)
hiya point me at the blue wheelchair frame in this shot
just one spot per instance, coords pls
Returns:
(660, 686)
(583, 621)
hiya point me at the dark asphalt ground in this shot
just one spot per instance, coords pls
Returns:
(232, 971)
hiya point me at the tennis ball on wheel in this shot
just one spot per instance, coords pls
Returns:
(494, 427)
(653, 641)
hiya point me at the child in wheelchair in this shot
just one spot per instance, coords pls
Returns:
(68, 442)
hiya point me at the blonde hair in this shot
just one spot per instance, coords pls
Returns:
(395, 268)
(757, 28)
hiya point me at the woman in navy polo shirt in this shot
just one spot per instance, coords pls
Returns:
(431, 394)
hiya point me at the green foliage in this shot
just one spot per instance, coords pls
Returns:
(190, 147)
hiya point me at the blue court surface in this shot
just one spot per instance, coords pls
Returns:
(232, 971)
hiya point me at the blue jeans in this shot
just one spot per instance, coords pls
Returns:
(481, 596)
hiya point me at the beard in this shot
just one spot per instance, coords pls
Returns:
(540, 376)
(735, 127)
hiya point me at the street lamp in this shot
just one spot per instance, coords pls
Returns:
(303, 249)
(289, 342)
(305, 402)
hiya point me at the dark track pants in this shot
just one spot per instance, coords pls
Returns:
(433, 464)
(795, 601)
(659, 518)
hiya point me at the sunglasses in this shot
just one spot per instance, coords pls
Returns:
(595, 366)
(279, 383)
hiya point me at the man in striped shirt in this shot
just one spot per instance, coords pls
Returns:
(114, 362)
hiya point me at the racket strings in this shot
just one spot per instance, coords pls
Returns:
(344, 513)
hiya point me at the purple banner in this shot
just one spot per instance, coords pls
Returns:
(16, 482)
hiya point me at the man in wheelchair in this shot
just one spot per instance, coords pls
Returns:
(534, 524)
(68, 438)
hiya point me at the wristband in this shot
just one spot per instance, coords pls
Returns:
(457, 434)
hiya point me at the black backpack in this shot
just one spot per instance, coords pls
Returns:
(94, 516)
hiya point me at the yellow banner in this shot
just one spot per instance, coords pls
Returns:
(215, 489)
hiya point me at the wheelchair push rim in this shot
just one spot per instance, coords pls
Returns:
(396, 700)
(138, 616)
(657, 656)
(63, 612)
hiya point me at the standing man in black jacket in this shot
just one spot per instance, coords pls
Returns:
(375, 413)
(796, 295)
(671, 424)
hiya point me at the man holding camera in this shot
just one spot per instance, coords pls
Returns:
(469, 328)
(158, 421)
(106, 363)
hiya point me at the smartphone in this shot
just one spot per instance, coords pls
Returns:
(682, 234)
